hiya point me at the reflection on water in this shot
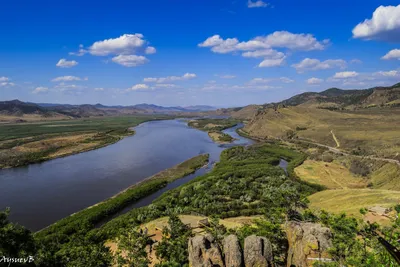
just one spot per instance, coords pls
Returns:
(40, 194)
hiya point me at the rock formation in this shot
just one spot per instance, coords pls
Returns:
(205, 252)
(257, 251)
(232, 251)
(308, 243)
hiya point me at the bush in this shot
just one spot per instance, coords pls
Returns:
(359, 168)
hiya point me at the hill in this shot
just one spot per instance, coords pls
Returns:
(345, 99)
(16, 110)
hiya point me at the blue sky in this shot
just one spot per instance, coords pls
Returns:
(215, 52)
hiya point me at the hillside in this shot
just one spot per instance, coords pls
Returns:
(345, 99)
(16, 110)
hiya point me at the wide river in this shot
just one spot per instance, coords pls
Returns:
(40, 194)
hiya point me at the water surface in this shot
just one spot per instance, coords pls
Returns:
(40, 194)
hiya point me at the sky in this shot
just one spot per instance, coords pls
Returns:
(178, 53)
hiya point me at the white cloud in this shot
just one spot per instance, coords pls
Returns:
(270, 53)
(355, 61)
(384, 25)
(306, 42)
(4, 79)
(63, 63)
(186, 76)
(227, 76)
(39, 90)
(125, 44)
(260, 80)
(286, 80)
(99, 89)
(130, 60)
(314, 81)
(258, 3)
(150, 50)
(269, 80)
(165, 85)
(315, 64)
(80, 52)
(283, 39)
(391, 73)
(392, 54)
(345, 75)
(139, 87)
(7, 84)
(68, 79)
(272, 62)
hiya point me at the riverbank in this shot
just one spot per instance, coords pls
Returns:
(23, 144)
(100, 211)
(214, 128)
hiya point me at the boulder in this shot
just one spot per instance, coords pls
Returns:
(257, 252)
(204, 252)
(202, 223)
(308, 243)
(232, 251)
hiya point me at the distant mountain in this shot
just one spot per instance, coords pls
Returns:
(344, 98)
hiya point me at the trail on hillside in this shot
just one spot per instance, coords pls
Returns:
(334, 138)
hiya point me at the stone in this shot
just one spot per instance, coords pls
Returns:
(308, 243)
(257, 252)
(204, 252)
(232, 251)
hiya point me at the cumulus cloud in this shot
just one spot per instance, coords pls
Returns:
(130, 60)
(384, 25)
(99, 89)
(150, 50)
(392, 54)
(262, 46)
(391, 73)
(283, 39)
(139, 87)
(63, 63)
(270, 53)
(4, 79)
(259, 3)
(6, 84)
(80, 52)
(315, 64)
(40, 90)
(64, 87)
(270, 80)
(186, 76)
(345, 75)
(68, 79)
(125, 44)
(260, 80)
(314, 81)
(266, 63)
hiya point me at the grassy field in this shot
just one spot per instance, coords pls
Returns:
(375, 131)
(25, 143)
(330, 175)
(351, 201)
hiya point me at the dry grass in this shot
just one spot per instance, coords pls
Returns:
(376, 130)
(331, 175)
(350, 201)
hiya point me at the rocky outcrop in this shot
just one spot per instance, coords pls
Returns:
(308, 243)
(205, 252)
(232, 251)
(257, 251)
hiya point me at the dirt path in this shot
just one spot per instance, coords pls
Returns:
(338, 151)
(334, 138)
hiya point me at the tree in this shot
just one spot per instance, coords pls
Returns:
(132, 248)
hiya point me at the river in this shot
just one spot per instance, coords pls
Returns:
(40, 194)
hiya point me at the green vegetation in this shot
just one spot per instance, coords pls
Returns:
(214, 127)
(22, 144)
